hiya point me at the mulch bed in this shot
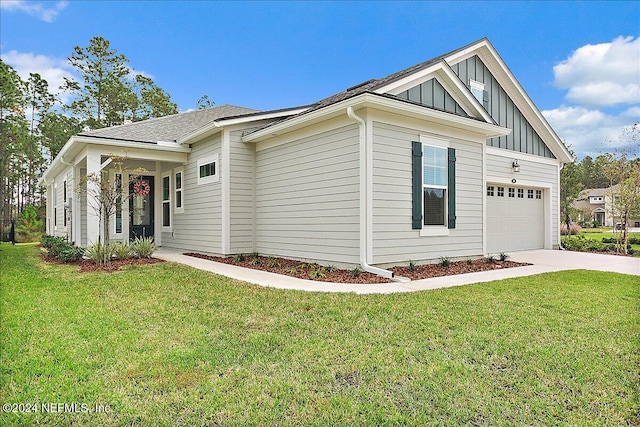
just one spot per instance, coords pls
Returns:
(303, 270)
(115, 265)
(455, 267)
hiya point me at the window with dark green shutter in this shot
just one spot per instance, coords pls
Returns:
(433, 186)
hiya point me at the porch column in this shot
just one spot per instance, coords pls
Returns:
(76, 221)
(93, 219)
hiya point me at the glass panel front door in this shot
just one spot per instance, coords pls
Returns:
(141, 207)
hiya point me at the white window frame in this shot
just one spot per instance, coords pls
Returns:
(163, 201)
(435, 230)
(64, 203)
(475, 86)
(55, 207)
(180, 190)
(114, 231)
(211, 178)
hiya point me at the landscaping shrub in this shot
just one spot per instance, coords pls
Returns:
(318, 274)
(632, 240)
(71, 254)
(99, 252)
(121, 250)
(445, 261)
(582, 244)
(143, 248)
(58, 247)
(573, 230)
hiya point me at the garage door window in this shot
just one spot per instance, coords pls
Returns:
(520, 193)
(529, 194)
(490, 190)
(538, 194)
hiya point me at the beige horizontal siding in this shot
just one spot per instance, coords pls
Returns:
(307, 197)
(394, 241)
(199, 228)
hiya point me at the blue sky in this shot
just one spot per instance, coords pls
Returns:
(578, 61)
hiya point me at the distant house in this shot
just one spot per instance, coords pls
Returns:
(449, 157)
(597, 206)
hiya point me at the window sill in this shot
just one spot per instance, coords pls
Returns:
(434, 231)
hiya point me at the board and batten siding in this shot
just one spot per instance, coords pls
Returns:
(523, 137)
(241, 177)
(307, 197)
(199, 228)
(532, 171)
(394, 241)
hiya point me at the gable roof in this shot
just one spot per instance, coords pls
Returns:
(168, 128)
(483, 48)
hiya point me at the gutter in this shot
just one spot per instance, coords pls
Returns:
(364, 200)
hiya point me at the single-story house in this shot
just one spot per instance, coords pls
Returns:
(448, 158)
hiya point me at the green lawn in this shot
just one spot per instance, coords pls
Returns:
(169, 345)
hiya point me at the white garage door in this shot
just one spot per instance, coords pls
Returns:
(515, 218)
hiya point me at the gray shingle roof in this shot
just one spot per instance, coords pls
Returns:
(371, 85)
(168, 128)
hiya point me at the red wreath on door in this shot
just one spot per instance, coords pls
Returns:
(141, 188)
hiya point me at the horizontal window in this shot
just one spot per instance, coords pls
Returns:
(208, 170)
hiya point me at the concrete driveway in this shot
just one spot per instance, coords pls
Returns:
(569, 260)
(543, 261)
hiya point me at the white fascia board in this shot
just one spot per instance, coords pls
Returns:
(383, 103)
(442, 72)
(503, 152)
(76, 143)
(164, 146)
(492, 60)
(215, 126)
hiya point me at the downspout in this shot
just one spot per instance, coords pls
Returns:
(364, 200)
(559, 231)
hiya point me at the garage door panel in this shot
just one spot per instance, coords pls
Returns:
(514, 223)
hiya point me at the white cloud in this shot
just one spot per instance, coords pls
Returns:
(590, 132)
(53, 70)
(604, 74)
(39, 10)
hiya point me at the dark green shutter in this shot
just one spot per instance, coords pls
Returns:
(417, 184)
(451, 184)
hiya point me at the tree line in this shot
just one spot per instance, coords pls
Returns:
(35, 124)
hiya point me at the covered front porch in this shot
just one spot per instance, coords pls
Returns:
(127, 165)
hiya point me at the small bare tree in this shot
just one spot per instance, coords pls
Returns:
(623, 171)
(105, 196)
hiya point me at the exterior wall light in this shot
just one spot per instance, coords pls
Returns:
(515, 166)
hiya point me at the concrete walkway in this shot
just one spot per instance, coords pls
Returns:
(543, 261)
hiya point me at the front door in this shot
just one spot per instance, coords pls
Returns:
(141, 207)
